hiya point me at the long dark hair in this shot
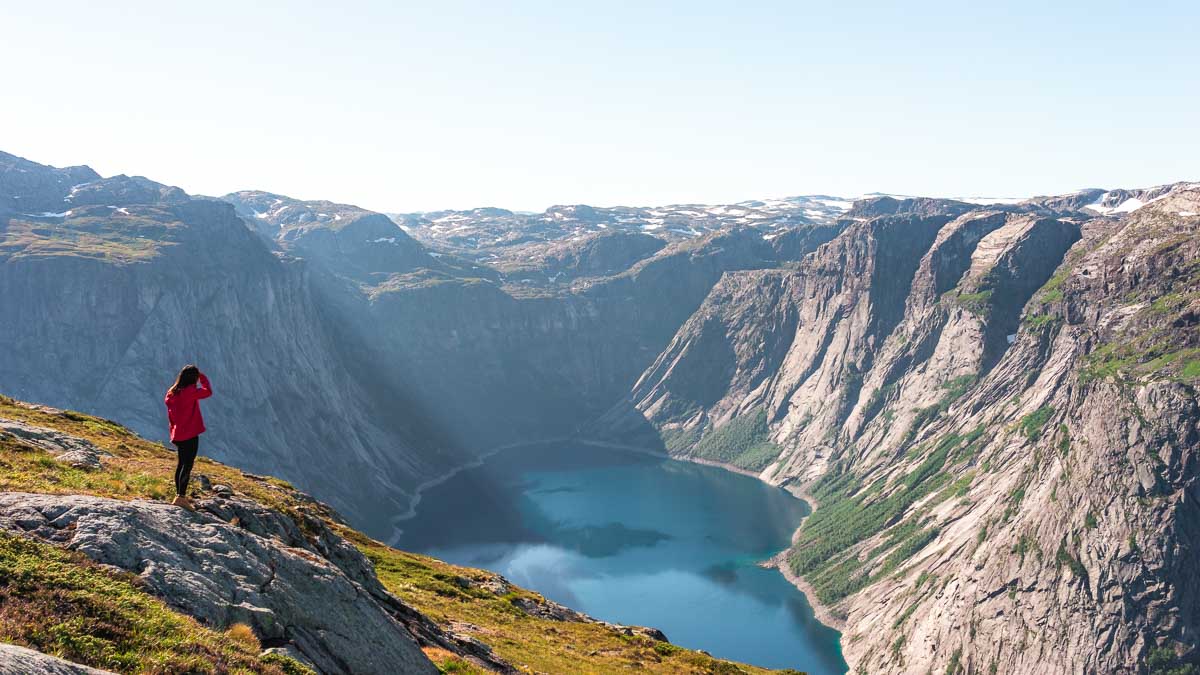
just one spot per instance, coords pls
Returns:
(187, 378)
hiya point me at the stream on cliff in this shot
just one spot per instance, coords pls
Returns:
(635, 539)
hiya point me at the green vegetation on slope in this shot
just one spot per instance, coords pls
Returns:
(742, 442)
(480, 601)
(955, 388)
(1032, 424)
(978, 303)
(848, 514)
(89, 232)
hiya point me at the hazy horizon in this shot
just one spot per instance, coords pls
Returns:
(526, 106)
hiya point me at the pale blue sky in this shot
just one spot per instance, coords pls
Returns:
(399, 106)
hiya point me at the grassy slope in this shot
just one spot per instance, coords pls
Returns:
(89, 232)
(99, 618)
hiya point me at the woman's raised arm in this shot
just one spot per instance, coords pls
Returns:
(205, 388)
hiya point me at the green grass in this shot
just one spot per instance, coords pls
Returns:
(1039, 320)
(1190, 369)
(90, 232)
(958, 488)
(976, 303)
(452, 594)
(60, 603)
(954, 667)
(908, 611)
(1052, 290)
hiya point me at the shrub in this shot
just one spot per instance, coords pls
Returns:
(1032, 424)
(1064, 557)
(240, 632)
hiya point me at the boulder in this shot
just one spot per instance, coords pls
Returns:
(71, 450)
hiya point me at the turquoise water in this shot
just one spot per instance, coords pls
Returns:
(637, 540)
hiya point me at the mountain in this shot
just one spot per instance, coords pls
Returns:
(995, 410)
(990, 403)
(508, 241)
(109, 285)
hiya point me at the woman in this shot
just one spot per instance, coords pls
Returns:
(183, 412)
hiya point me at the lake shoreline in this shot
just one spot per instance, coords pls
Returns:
(778, 562)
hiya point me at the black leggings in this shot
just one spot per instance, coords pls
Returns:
(183, 469)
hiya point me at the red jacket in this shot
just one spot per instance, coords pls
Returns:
(183, 410)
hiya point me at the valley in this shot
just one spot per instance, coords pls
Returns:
(636, 539)
(992, 407)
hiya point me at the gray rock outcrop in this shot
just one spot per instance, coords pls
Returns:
(71, 450)
(17, 660)
(223, 574)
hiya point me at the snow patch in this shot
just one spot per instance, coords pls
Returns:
(836, 203)
(989, 201)
(1129, 205)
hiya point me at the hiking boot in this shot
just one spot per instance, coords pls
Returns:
(183, 502)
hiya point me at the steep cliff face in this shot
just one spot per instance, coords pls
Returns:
(1050, 502)
(825, 322)
(498, 368)
(997, 415)
(104, 301)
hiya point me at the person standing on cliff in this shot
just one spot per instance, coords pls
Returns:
(183, 413)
